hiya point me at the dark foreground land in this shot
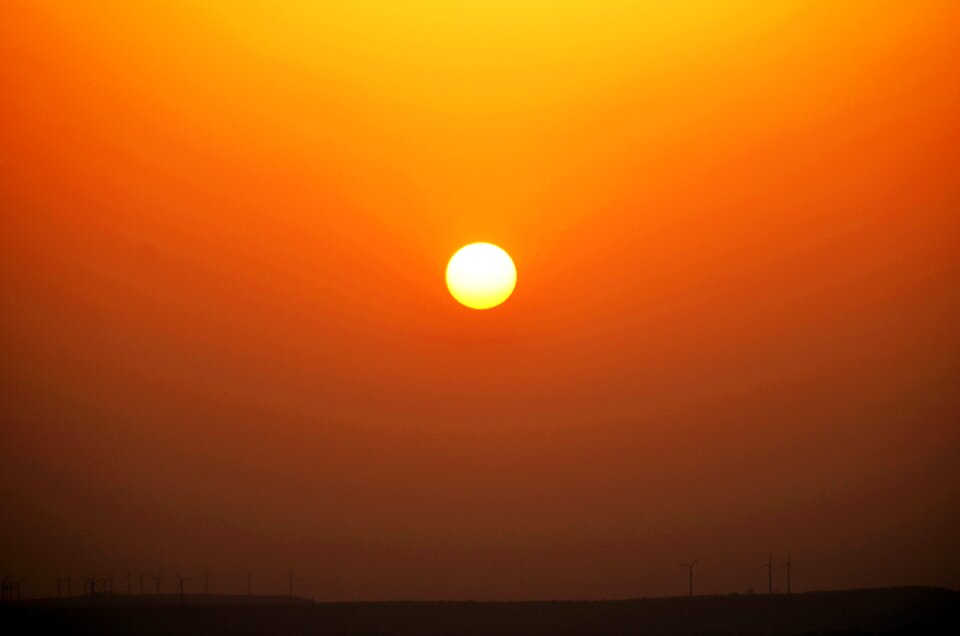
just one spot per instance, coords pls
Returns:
(907, 610)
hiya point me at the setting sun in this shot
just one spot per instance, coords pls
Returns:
(481, 275)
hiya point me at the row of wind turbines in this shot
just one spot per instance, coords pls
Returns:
(94, 585)
(768, 566)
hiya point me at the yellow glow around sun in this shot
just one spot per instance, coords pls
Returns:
(481, 275)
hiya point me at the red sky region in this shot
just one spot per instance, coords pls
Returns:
(226, 339)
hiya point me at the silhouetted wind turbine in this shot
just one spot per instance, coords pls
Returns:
(156, 580)
(17, 585)
(770, 570)
(290, 577)
(689, 567)
(60, 581)
(789, 568)
(140, 573)
(69, 581)
(91, 582)
(129, 579)
(183, 579)
(249, 584)
(206, 580)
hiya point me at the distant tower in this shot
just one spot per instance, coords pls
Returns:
(156, 581)
(249, 584)
(770, 570)
(182, 580)
(206, 580)
(689, 567)
(788, 566)
(291, 577)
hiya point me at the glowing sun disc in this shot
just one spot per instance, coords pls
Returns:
(481, 275)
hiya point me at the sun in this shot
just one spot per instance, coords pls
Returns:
(481, 275)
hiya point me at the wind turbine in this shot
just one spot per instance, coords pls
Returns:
(183, 579)
(206, 580)
(16, 585)
(69, 581)
(789, 568)
(689, 567)
(129, 579)
(156, 580)
(291, 578)
(4, 588)
(140, 573)
(249, 584)
(91, 582)
(770, 570)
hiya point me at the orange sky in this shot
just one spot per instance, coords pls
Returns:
(226, 338)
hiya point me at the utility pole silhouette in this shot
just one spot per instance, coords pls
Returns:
(689, 567)
(788, 566)
(770, 570)
(183, 579)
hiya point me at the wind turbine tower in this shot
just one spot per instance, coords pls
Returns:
(770, 570)
(183, 579)
(689, 567)
(291, 577)
(788, 566)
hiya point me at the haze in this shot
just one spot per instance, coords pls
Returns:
(227, 341)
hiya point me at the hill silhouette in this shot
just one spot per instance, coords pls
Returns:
(906, 610)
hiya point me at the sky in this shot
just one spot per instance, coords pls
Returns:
(227, 342)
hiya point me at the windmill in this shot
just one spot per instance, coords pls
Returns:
(249, 584)
(788, 566)
(156, 581)
(16, 587)
(140, 574)
(5, 588)
(182, 580)
(69, 581)
(289, 576)
(770, 570)
(206, 580)
(689, 567)
(129, 579)
(90, 582)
